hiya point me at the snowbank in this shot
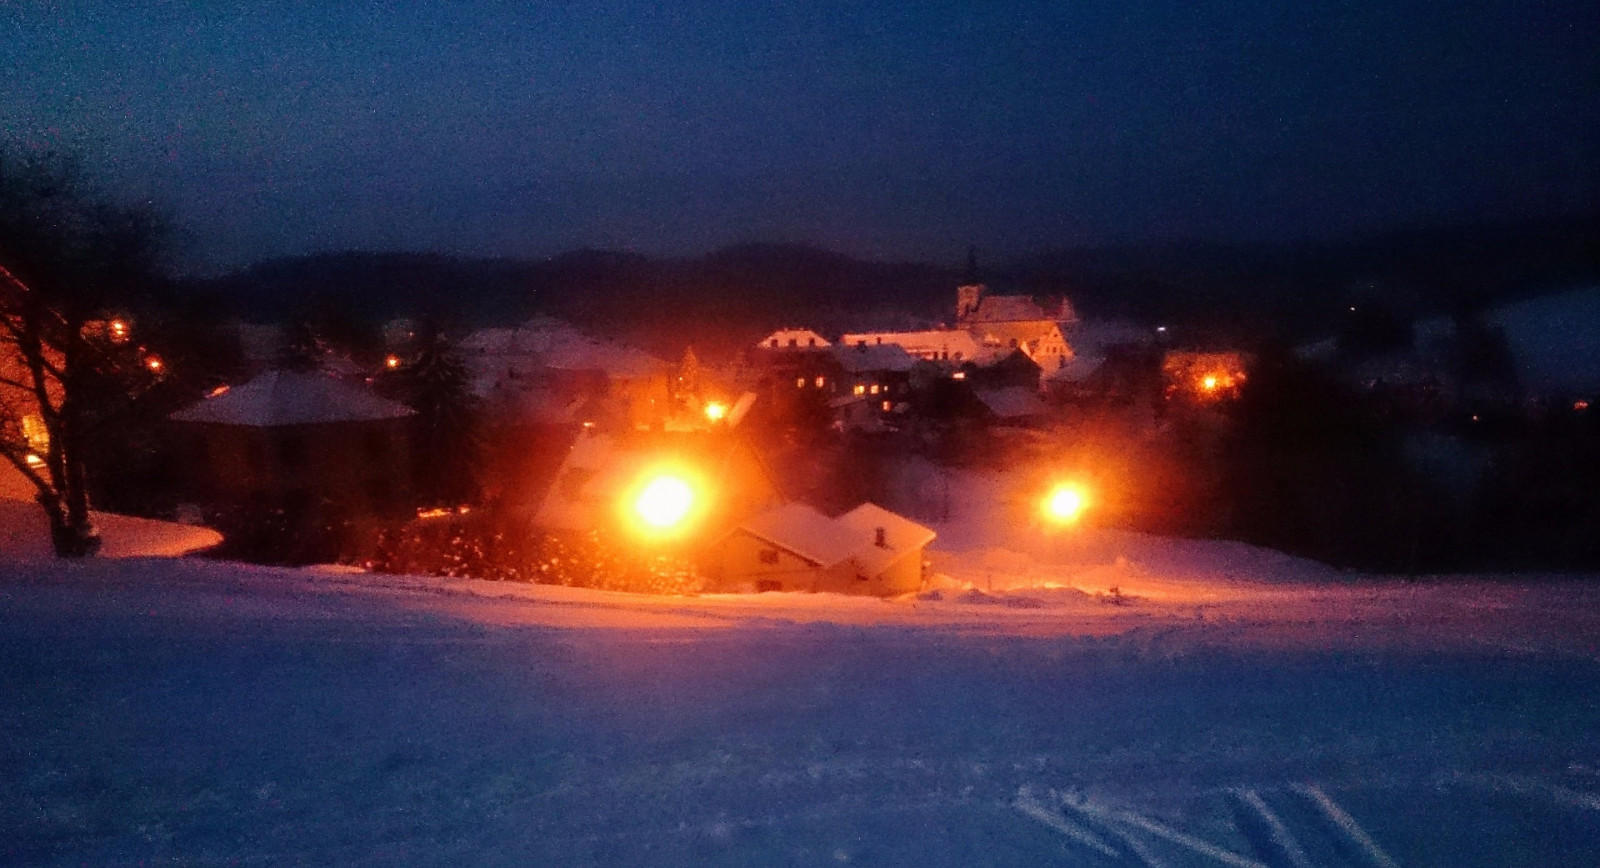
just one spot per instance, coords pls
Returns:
(25, 535)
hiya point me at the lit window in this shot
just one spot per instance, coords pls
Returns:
(35, 432)
(821, 381)
(800, 383)
(887, 406)
(860, 389)
(874, 389)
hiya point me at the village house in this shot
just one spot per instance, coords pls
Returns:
(549, 356)
(591, 488)
(1017, 322)
(949, 346)
(868, 550)
(874, 385)
(292, 438)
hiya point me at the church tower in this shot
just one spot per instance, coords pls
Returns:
(970, 293)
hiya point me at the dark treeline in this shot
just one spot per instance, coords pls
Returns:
(721, 301)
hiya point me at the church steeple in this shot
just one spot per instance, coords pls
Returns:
(970, 293)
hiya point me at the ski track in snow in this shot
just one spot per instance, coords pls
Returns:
(209, 713)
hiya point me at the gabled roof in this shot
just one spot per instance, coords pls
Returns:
(860, 526)
(939, 344)
(874, 357)
(1016, 402)
(550, 343)
(1008, 308)
(794, 339)
(803, 531)
(279, 398)
(828, 542)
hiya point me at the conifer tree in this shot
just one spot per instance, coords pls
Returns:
(447, 448)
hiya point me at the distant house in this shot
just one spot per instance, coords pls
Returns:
(1010, 369)
(290, 438)
(1204, 376)
(1017, 322)
(590, 488)
(564, 364)
(793, 339)
(868, 550)
(1014, 405)
(875, 382)
(952, 346)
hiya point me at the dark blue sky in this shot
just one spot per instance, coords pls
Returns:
(880, 129)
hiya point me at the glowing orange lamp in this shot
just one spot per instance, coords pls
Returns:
(664, 502)
(1065, 504)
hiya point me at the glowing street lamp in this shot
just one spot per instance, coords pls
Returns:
(664, 502)
(716, 411)
(1065, 504)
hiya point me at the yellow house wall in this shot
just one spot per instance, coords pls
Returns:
(735, 566)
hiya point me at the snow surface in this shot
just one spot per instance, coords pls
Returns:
(292, 398)
(1226, 706)
(25, 534)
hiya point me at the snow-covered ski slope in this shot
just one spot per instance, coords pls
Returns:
(191, 712)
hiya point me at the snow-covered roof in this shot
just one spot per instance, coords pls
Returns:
(1077, 369)
(547, 343)
(1008, 308)
(1015, 402)
(279, 398)
(789, 339)
(853, 536)
(802, 530)
(874, 357)
(901, 536)
(955, 345)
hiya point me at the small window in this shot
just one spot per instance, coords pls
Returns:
(800, 383)
(774, 343)
(768, 557)
(811, 342)
(794, 342)
(874, 389)
(821, 381)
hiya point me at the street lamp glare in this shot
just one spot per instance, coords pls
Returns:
(1065, 504)
(664, 502)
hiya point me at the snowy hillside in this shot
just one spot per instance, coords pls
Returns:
(203, 713)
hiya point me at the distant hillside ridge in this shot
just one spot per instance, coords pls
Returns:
(722, 301)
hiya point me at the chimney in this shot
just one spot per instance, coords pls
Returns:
(880, 538)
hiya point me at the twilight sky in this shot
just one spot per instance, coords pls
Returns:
(883, 129)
